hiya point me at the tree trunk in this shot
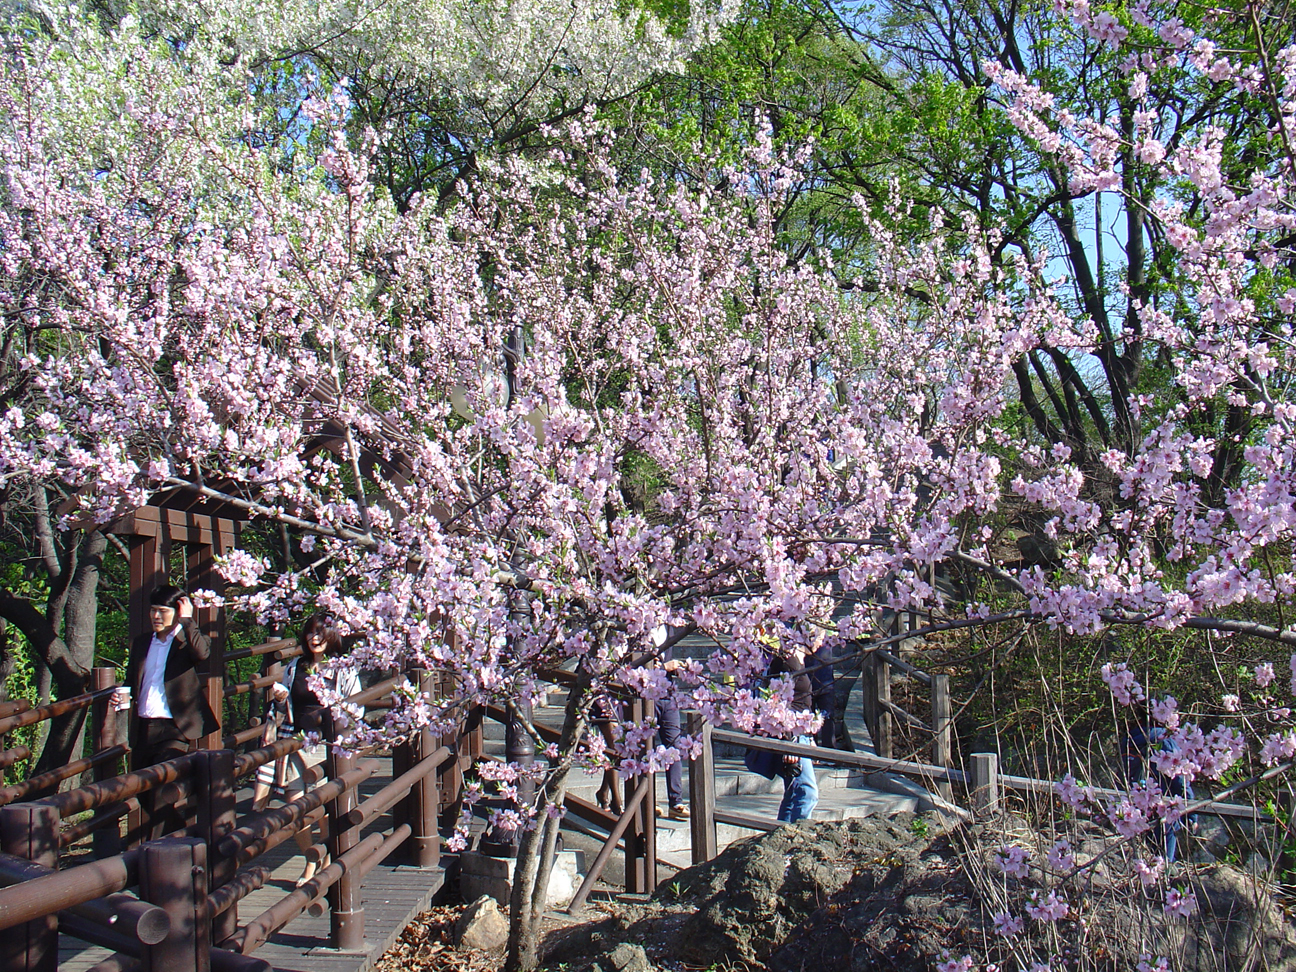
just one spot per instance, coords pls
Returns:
(537, 849)
(63, 662)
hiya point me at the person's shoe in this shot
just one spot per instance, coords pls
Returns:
(679, 812)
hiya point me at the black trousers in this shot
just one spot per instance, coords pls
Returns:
(668, 732)
(156, 741)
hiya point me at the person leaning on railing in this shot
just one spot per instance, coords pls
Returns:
(800, 786)
(297, 709)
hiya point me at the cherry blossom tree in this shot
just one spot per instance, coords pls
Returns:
(444, 80)
(533, 429)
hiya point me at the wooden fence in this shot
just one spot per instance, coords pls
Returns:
(981, 784)
(189, 884)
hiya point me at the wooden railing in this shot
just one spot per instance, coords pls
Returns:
(199, 875)
(981, 784)
(878, 667)
(633, 830)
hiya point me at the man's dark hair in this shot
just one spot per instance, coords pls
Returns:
(166, 595)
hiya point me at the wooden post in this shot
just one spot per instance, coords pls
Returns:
(346, 917)
(217, 816)
(868, 695)
(200, 571)
(30, 831)
(425, 841)
(635, 835)
(702, 825)
(148, 569)
(449, 775)
(641, 838)
(106, 840)
(403, 757)
(985, 783)
(476, 733)
(173, 876)
(942, 733)
(882, 745)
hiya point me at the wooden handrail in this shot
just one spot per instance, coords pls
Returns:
(374, 692)
(745, 820)
(121, 787)
(21, 791)
(244, 883)
(260, 825)
(927, 771)
(903, 716)
(258, 847)
(10, 756)
(605, 852)
(260, 682)
(42, 896)
(29, 716)
(896, 662)
(236, 739)
(396, 790)
(257, 931)
(245, 763)
(261, 649)
(13, 707)
(126, 915)
(70, 835)
(47, 894)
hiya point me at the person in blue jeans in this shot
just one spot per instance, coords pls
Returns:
(800, 787)
(1141, 742)
(668, 733)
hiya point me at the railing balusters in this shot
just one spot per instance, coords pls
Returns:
(173, 876)
(702, 824)
(346, 912)
(30, 831)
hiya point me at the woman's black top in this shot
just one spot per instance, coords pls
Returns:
(801, 689)
(306, 705)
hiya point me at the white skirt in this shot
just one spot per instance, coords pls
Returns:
(288, 775)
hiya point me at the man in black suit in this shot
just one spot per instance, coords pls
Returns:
(170, 710)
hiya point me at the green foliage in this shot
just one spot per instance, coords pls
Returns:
(21, 684)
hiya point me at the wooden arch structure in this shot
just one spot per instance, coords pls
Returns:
(173, 521)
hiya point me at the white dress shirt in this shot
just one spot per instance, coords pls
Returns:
(153, 700)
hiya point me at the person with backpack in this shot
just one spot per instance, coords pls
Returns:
(800, 785)
(1141, 742)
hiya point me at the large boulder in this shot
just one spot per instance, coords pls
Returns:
(899, 893)
(758, 891)
(942, 899)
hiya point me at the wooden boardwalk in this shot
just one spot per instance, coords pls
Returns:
(392, 895)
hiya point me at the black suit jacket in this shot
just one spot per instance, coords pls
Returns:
(183, 685)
